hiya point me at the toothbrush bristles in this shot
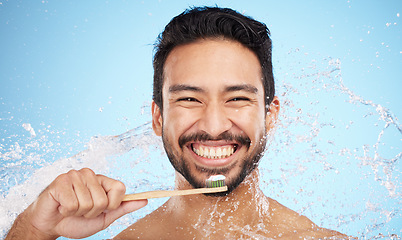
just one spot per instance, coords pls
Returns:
(215, 181)
(214, 184)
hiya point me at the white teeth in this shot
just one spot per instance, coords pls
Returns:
(224, 152)
(214, 152)
(201, 152)
(219, 152)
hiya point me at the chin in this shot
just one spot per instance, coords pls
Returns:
(218, 194)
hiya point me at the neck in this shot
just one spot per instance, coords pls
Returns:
(245, 206)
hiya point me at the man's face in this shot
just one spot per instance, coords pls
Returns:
(214, 119)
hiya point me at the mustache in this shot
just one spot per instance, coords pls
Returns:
(225, 136)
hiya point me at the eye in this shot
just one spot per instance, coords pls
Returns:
(237, 99)
(187, 99)
(239, 102)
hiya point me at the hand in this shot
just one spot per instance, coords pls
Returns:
(79, 204)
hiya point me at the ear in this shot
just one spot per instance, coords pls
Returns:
(272, 114)
(156, 119)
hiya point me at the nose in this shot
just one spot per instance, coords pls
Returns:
(214, 120)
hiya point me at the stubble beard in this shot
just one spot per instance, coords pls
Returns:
(247, 163)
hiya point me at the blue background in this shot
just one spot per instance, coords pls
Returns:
(76, 69)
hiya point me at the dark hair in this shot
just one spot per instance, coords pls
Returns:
(213, 22)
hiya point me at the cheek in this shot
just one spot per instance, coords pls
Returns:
(251, 122)
(177, 123)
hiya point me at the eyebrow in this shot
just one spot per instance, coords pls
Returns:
(233, 88)
(183, 87)
(242, 87)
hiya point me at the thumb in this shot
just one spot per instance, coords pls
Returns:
(124, 208)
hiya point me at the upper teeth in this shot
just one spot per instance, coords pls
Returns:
(214, 152)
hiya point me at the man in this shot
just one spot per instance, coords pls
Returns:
(214, 106)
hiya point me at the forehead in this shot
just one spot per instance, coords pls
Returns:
(212, 63)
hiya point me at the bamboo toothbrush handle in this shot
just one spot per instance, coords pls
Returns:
(163, 193)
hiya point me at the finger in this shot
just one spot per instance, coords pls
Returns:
(115, 191)
(124, 208)
(62, 191)
(85, 203)
(98, 194)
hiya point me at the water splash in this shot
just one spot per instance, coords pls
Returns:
(21, 183)
(335, 165)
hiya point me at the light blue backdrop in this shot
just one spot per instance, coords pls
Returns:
(76, 69)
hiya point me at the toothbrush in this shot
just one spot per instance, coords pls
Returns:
(214, 184)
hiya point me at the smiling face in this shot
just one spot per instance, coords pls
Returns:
(214, 119)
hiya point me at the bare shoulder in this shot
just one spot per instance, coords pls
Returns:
(142, 228)
(291, 225)
(149, 227)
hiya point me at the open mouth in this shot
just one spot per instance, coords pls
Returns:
(214, 152)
